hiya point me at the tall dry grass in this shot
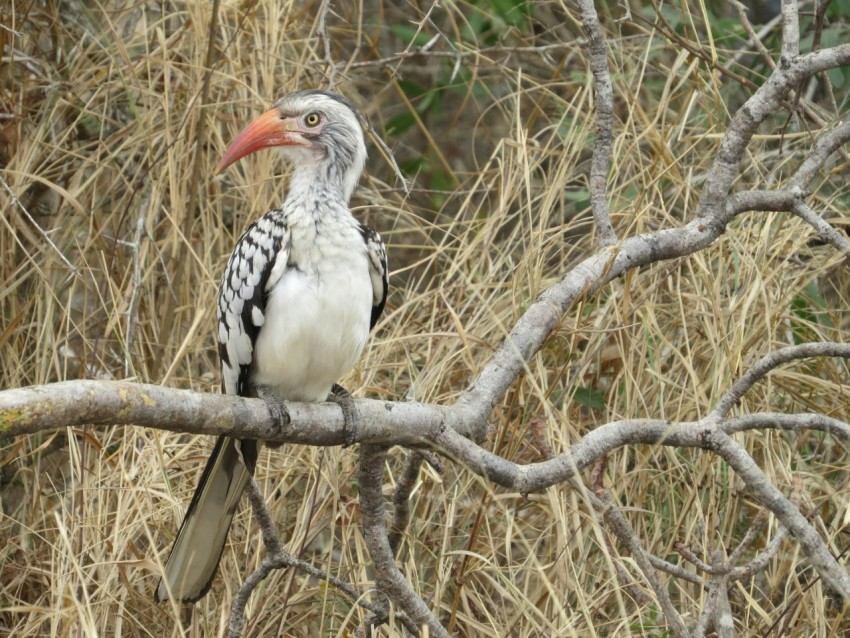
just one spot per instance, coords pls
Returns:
(114, 123)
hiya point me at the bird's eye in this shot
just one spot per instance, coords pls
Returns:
(312, 119)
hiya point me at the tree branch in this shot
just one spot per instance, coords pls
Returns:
(604, 503)
(388, 579)
(768, 495)
(790, 30)
(771, 361)
(765, 101)
(408, 423)
(603, 95)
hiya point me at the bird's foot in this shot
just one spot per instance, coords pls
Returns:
(277, 408)
(345, 401)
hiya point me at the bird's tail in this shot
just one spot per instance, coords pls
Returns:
(197, 549)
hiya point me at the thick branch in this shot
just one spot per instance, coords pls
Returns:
(768, 495)
(72, 403)
(765, 101)
(790, 30)
(50, 407)
(77, 403)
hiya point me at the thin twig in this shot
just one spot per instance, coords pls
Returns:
(674, 570)
(419, 25)
(271, 539)
(462, 54)
(388, 579)
(136, 285)
(768, 363)
(41, 231)
(826, 144)
(752, 532)
(278, 558)
(390, 157)
(817, 34)
(762, 559)
(604, 503)
(326, 41)
(685, 552)
(755, 38)
(201, 131)
(786, 422)
(17, 34)
(828, 233)
(403, 490)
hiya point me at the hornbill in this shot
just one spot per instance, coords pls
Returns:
(302, 289)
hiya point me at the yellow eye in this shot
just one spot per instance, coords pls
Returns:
(312, 119)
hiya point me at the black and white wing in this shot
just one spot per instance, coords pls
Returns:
(378, 271)
(256, 264)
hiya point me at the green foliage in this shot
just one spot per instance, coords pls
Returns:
(590, 398)
(809, 310)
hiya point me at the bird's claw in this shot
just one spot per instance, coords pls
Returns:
(345, 401)
(276, 407)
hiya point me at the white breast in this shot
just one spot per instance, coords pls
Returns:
(316, 325)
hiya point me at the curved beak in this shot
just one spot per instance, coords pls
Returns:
(269, 129)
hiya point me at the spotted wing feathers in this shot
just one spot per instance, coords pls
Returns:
(255, 265)
(378, 271)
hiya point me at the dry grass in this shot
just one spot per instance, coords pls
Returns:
(110, 116)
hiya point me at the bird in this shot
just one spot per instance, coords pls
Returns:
(302, 290)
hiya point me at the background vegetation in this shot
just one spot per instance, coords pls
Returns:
(114, 234)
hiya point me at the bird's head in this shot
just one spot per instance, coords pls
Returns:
(318, 130)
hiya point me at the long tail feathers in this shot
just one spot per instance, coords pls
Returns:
(197, 549)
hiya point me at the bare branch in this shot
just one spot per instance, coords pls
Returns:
(760, 561)
(201, 138)
(74, 403)
(791, 201)
(771, 361)
(765, 101)
(480, 55)
(824, 229)
(137, 284)
(686, 553)
(674, 570)
(790, 30)
(419, 26)
(755, 38)
(404, 488)
(604, 503)
(825, 145)
(388, 579)
(326, 41)
(604, 103)
(721, 612)
(77, 403)
(279, 558)
(752, 532)
(768, 495)
(271, 539)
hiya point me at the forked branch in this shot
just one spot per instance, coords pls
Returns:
(453, 430)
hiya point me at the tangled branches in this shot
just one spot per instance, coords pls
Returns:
(456, 431)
